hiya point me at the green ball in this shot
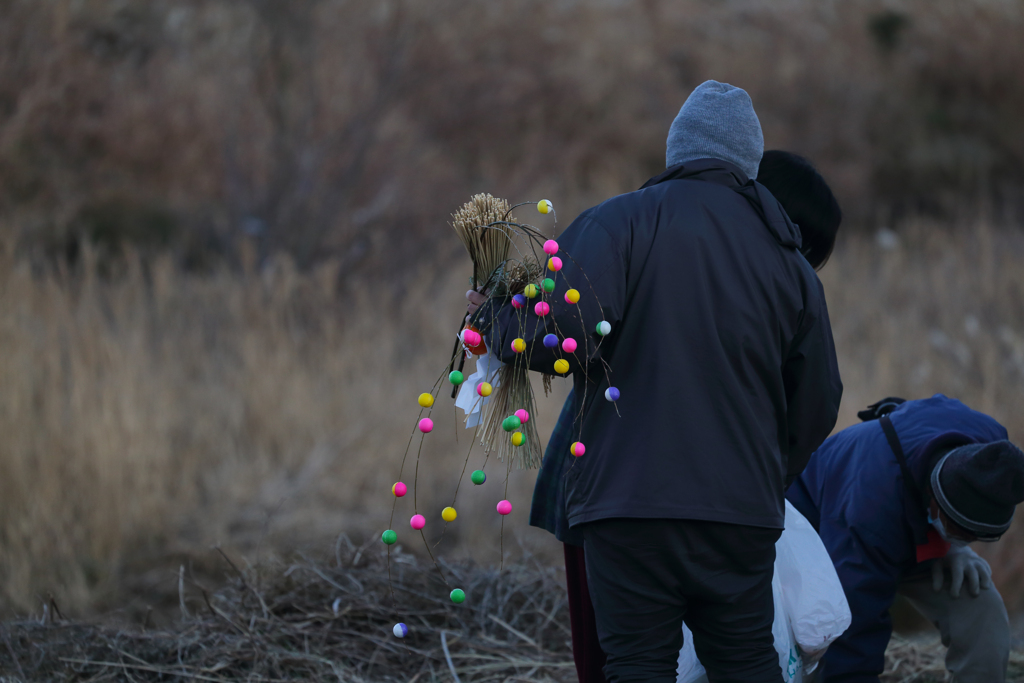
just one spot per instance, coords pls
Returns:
(478, 477)
(511, 423)
(389, 537)
(456, 378)
(458, 596)
(548, 285)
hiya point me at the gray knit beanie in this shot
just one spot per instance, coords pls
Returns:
(717, 121)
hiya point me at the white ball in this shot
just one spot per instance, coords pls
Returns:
(604, 328)
(400, 630)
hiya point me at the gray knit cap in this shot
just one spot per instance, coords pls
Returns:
(717, 121)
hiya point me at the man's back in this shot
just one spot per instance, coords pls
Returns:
(713, 299)
(720, 347)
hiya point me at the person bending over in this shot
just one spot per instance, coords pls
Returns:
(896, 500)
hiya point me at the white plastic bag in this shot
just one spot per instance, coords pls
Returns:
(810, 607)
(812, 595)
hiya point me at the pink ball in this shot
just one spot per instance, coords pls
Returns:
(551, 247)
(417, 522)
(577, 449)
(471, 338)
(426, 425)
(554, 263)
(542, 308)
(569, 345)
(504, 507)
(399, 489)
(523, 416)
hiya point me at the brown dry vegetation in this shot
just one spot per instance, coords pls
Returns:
(331, 620)
(351, 127)
(225, 272)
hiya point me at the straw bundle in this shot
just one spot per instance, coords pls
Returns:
(479, 224)
(486, 229)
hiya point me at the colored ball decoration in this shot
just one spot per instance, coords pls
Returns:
(551, 247)
(541, 308)
(471, 337)
(569, 345)
(458, 596)
(389, 537)
(478, 477)
(518, 439)
(604, 328)
(554, 264)
(398, 489)
(523, 416)
(550, 341)
(518, 301)
(561, 366)
(544, 206)
(400, 630)
(417, 522)
(504, 507)
(426, 400)
(449, 514)
(478, 349)
(531, 291)
(484, 389)
(456, 377)
(572, 296)
(426, 425)
(548, 285)
(511, 423)
(577, 449)
(519, 345)
(611, 394)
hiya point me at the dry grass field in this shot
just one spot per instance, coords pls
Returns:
(152, 415)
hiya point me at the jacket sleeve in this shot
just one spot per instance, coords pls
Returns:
(870, 578)
(813, 387)
(594, 265)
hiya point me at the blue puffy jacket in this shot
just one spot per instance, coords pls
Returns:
(852, 491)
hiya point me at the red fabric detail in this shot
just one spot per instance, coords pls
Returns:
(935, 548)
(586, 649)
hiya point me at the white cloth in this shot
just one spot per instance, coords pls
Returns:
(471, 403)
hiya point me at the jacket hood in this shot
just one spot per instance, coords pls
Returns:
(785, 231)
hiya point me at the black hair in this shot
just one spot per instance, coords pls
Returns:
(807, 199)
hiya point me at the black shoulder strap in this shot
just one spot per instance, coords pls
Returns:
(897, 450)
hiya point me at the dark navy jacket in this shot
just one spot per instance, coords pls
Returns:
(720, 345)
(853, 493)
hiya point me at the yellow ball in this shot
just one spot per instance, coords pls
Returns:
(572, 296)
(518, 439)
(449, 514)
(544, 206)
(561, 366)
(426, 400)
(484, 389)
(518, 345)
(530, 291)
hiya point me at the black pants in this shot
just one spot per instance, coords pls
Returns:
(646, 576)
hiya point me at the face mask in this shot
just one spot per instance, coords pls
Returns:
(941, 528)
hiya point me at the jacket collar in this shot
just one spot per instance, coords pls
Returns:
(721, 172)
(714, 170)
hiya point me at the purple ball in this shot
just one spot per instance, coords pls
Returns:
(611, 394)
(550, 341)
(520, 300)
